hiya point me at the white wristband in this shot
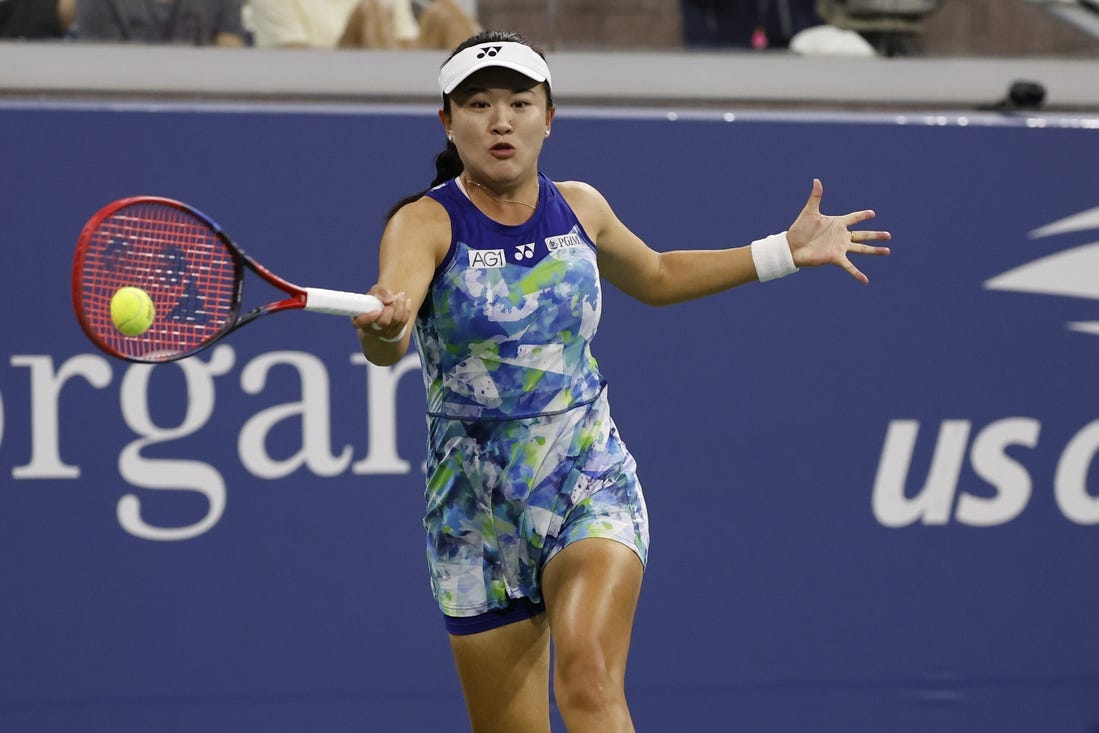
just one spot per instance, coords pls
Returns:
(395, 339)
(772, 257)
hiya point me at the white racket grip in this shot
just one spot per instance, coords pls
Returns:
(340, 303)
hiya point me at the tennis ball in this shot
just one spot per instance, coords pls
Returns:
(132, 311)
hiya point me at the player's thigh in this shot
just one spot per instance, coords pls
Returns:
(505, 676)
(591, 590)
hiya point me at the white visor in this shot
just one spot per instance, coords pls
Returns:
(509, 54)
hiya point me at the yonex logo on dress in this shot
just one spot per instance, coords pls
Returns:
(489, 51)
(572, 239)
(524, 251)
(484, 258)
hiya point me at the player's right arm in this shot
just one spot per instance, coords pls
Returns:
(414, 243)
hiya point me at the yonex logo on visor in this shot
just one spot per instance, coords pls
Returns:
(509, 54)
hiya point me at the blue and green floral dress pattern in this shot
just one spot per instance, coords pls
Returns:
(523, 457)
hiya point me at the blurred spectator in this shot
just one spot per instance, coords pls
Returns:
(194, 22)
(892, 27)
(380, 24)
(746, 23)
(36, 18)
(444, 24)
(318, 23)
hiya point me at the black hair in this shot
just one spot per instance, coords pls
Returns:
(447, 163)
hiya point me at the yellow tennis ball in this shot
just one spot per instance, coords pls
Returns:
(132, 311)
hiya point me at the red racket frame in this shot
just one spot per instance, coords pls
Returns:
(91, 300)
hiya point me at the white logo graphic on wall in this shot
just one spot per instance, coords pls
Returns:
(999, 452)
(1070, 273)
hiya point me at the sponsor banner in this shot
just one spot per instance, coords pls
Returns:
(872, 508)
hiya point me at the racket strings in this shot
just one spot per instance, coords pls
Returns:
(174, 256)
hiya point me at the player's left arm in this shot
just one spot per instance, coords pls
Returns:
(656, 278)
(663, 278)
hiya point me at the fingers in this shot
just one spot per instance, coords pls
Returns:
(853, 271)
(863, 249)
(812, 206)
(848, 220)
(857, 217)
(391, 320)
(866, 249)
(866, 236)
(841, 242)
(383, 294)
(366, 320)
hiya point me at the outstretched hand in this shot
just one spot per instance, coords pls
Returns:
(816, 239)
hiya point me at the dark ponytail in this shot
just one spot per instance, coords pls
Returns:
(447, 163)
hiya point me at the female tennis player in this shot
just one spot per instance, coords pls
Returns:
(536, 524)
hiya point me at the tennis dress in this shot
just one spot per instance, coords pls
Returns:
(523, 457)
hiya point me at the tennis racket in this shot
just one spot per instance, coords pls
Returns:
(192, 271)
